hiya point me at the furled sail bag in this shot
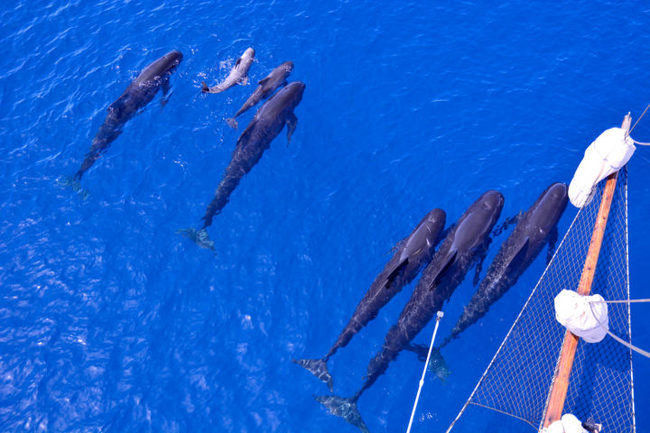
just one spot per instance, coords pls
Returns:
(584, 316)
(606, 155)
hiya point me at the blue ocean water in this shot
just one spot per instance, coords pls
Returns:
(111, 322)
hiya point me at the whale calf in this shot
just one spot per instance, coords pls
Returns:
(138, 94)
(269, 120)
(238, 74)
(465, 243)
(412, 253)
(534, 229)
(265, 88)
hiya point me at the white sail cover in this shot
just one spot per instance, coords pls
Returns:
(606, 155)
(584, 316)
(568, 424)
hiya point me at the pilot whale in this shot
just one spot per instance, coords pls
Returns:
(238, 74)
(138, 94)
(269, 120)
(534, 229)
(412, 253)
(465, 243)
(266, 87)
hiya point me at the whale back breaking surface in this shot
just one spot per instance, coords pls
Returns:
(422, 242)
(465, 242)
(398, 272)
(515, 255)
(157, 70)
(276, 78)
(136, 96)
(253, 142)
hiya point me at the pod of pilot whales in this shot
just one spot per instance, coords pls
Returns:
(276, 112)
(462, 246)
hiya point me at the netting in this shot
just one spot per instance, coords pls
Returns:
(519, 377)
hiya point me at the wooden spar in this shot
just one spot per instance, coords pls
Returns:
(560, 385)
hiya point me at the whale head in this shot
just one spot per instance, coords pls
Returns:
(291, 95)
(286, 67)
(550, 206)
(249, 54)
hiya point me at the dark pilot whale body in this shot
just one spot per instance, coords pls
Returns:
(266, 87)
(251, 145)
(139, 93)
(535, 228)
(465, 243)
(412, 253)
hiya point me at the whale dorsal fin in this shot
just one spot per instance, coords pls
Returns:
(396, 271)
(263, 81)
(519, 257)
(449, 260)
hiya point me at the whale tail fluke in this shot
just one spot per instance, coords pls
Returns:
(199, 237)
(438, 366)
(318, 367)
(74, 183)
(207, 89)
(346, 408)
(232, 123)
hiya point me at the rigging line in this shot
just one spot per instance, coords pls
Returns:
(628, 345)
(640, 117)
(505, 413)
(640, 142)
(439, 316)
(616, 337)
(623, 301)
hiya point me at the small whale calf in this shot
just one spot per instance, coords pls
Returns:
(266, 87)
(535, 228)
(238, 74)
(138, 94)
(269, 120)
(464, 245)
(412, 254)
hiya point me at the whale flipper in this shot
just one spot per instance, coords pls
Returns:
(552, 240)
(318, 367)
(420, 350)
(292, 122)
(199, 237)
(346, 408)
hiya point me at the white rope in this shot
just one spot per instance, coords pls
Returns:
(616, 337)
(439, 315)
(629, 346)
(629, 307)
(622, 301)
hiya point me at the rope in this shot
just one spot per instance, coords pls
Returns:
(616, 337)
(623, 301)
(634, 126)
(440, 314)
(640, 117)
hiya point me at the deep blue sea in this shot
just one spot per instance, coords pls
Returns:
(112, 322)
